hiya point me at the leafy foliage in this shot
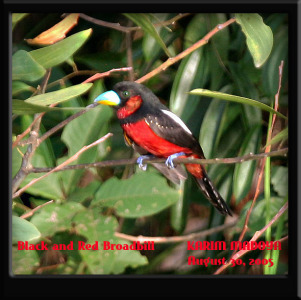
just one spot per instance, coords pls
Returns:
(223, 91)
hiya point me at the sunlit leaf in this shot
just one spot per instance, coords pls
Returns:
(243, 100)
(55, 33)
(20, 86)
(21, 107)
(259, 36)
(23, 230)
(53, 55)
(60, 95)
(24, 67)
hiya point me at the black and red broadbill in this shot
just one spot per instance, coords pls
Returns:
(152, 129)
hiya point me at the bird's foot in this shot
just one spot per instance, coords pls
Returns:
(140, 161)
(169, 161)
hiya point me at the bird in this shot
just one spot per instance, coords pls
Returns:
(153, 130)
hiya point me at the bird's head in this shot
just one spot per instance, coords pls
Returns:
(121, 93)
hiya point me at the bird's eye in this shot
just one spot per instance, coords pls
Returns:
(126, 93)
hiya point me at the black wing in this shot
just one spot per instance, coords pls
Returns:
(170, 127)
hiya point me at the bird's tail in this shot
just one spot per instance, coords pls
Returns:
(212, 194)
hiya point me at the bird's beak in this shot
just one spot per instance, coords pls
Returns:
(108, 98)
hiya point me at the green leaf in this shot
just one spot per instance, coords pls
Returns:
(24, 261)
(60, 95)
(179, 211)
(17, 17)
(192, 72)
(259, 36)
(89, 127)
(210, 125)
(244, 172)
(50, 186)
(53, 55)
(242, 100)
(281, 136)
(258, 216)
(98, 228)
(144, 22)
(24, 67)
(55, 217)
(279, 180)
(149, 45)
(251, 115)
(218, 52)
(22, 230)
(19, 87)
(143, 194)
(21, 107)
(270, 72)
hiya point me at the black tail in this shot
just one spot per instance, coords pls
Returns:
(212, 194)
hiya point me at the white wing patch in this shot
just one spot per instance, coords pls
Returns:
(177, 120)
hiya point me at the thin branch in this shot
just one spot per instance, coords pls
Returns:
(186, 52)
(125, 29)
(71, 75)
(129, 54)
(124, 162)
(267, 150)
(65, 122)
(108, 73)
(175, 239)
(34, 134)
(253, 239)
(111, 25)
(32, 211)
(69, 160)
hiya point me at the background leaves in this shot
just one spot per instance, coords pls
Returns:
(223, 91)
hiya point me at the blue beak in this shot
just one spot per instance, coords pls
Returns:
(108, 98)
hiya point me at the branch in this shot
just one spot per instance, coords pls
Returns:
(186, 52)
(32, 211)
(108, 73)
(254, 238)
(267, 150)
(175, 239)
(124, 162)
(33, 138)
(125, 29)
(69, 160)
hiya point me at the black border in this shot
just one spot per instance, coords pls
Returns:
(157, 285)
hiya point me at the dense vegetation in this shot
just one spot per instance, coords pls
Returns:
(241, 58)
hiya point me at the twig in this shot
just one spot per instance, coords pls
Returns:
(32, 211)
(186, 52)
(175, 239)
(108, 73)
(129, 54)
(124, 162)
(71, 75)
(34, 134)
(65, 122)
(69, 160)
(125, 29)
(254, 238)
(267, 150)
